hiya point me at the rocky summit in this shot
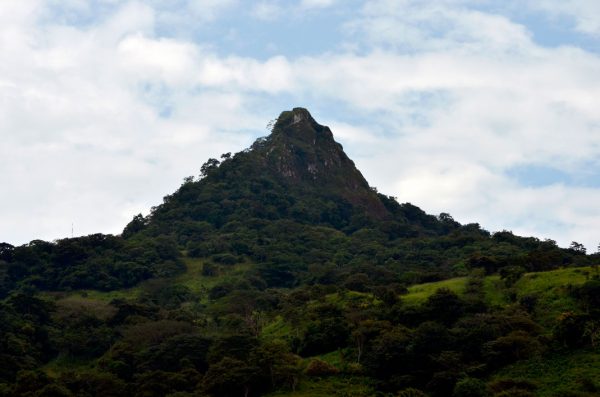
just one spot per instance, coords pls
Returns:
(306, 155)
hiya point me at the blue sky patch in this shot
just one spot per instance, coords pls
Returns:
(539, 175)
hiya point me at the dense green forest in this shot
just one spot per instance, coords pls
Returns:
(279, 271)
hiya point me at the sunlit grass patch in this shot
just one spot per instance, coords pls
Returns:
(419, 293)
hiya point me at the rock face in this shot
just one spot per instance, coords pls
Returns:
(303, 153)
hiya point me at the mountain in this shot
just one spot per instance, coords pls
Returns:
(295, 207)
(295, 199)
(296, 171)
(280, 268)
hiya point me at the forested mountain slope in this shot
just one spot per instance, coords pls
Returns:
(280, 268)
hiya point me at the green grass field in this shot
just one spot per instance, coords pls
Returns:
(192, 278)
(417, 294)
(551, 289)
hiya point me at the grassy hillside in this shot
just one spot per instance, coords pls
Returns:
(550, 374)
(553, 375)
(419, 293)
(551, 284)
(192, 278)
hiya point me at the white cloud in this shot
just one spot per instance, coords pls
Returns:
(352, 133)
(99, 121)
(437, 25)
(83, 140)
(273, 75)
(474, 194)
(468, 95)
(166, 60)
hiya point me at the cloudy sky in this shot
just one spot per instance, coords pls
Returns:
(488, 110)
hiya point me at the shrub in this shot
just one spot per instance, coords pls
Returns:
(515, 393)
(515, 346)
(470, 387)
(529, 302)
(209, 270)
(512, 388)
(588, 385)
(410, 392)
(444, 306)
(357, 282)
(570, 329)
(225, 259)
(318, 367)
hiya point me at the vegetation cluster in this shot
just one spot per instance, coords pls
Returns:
(279, 271)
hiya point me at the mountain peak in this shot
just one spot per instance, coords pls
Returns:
(299, 148)
(298, 114)
(299, 124)
(299, 172)
(305, 153)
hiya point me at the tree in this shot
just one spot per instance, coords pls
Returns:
(357, 282)
(317, 367)
(137, 224)
(277, 364)
(364, 332)
(324, 335)
(490, 265)
(511, 274)
(445, 306)
(211, 164)
(271, 124)
(577, 248)
(411, 392)
(470, 387)
(389, 354)
(447, 222)
(589, 294)
(162, 383)
(592, 331)
(6, 251)
(230, 377)
(517, 345)
(429, 338)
